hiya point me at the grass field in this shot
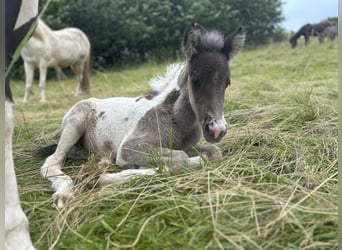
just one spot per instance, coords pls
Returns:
(276, 187)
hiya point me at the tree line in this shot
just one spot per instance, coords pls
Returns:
(124, 31)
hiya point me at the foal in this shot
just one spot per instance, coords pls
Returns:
(168, 122)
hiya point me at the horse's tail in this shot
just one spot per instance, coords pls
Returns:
(85, 75)
(45, 151)
(76, 152)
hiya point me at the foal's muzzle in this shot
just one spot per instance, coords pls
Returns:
(214, 130)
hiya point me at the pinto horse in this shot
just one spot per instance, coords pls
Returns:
(20, 17)
(58, 49)
(310, 30)
(166, 123)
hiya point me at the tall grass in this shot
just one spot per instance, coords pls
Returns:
(276, 187)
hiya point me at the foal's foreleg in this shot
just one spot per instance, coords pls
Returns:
(172, 160)
(29, 74)
(137, 153)
(51, 169)
(208, 151)
(123, 176)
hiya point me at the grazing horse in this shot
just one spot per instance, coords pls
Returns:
(309, 30)
(58, 49)
(165, 124)
(20, 17)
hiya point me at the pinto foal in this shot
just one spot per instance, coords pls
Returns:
(185, 104)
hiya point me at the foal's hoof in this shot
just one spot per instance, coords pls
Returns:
(59, 200)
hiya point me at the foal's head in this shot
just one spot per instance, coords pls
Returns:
(208, 55)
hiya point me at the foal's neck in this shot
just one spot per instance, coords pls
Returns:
(183, 112)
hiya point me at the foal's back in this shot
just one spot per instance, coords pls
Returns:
(109, 121)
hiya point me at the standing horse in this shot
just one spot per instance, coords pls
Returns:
(310, 30)
(20, 17)
(60, 48)
(166, 123)
(331, 32)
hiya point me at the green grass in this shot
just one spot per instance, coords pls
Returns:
(276, 187)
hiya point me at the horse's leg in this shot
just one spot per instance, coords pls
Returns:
(29, 74)
(16, 222)
(73, 130)
(320, 37)
(306, 38)
(138, 152)
(173, 160)
(123, 176)
(209, 151)
(42, 81)
(58, 72)
(78, 70)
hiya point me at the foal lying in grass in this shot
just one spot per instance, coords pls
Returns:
(185, 104)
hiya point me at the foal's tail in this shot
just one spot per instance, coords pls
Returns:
(85, 75)
(45, 151)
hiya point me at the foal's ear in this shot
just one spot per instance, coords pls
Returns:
(234, 43)
(191, 39)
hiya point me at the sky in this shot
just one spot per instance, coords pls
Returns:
(300, 12)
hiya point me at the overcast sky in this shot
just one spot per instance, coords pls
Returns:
(300, 12)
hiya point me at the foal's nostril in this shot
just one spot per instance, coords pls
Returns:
(215, 129)
(208, 127)
(223, 132)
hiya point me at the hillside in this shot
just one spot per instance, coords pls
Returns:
(276, 187)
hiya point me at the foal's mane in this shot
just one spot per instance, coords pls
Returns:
(173, 79)
(211, 41)
(168, 80)
(208, 41)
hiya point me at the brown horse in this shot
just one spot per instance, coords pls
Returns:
(167, 125)
(310, 30)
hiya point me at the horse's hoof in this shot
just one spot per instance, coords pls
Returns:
(60, 201)
(78, 93)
